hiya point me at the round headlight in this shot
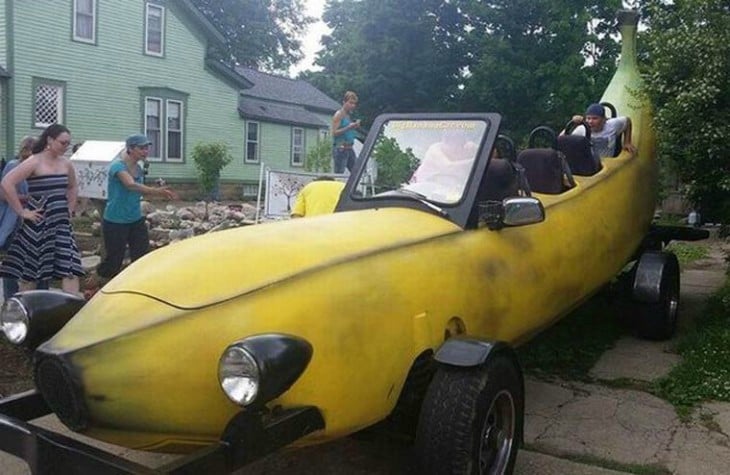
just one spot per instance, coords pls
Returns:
(238, 374)
(14, 320)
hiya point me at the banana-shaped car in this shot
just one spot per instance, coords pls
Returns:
(404, 303)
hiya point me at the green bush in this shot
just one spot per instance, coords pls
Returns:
(319, 158)
(210, 158)
(687, 253)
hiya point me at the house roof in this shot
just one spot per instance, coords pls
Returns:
(202, 20)
(262, 109)
(286, 90)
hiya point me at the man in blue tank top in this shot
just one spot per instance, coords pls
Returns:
(343, 134)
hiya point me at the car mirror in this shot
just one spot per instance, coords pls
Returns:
(516, 211)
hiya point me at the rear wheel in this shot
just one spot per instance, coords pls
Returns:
(658, 320)
(471, 420)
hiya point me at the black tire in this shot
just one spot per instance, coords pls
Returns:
(471, 420)
(658, 321)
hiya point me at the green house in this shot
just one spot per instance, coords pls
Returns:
(109, 68)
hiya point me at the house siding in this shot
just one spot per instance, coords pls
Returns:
(3, 36)
(102, 81)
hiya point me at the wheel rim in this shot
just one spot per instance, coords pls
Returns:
(497, 435)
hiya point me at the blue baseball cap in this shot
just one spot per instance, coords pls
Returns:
(137, 140)
(596, 109)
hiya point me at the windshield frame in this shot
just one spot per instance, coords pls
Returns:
(457, 212)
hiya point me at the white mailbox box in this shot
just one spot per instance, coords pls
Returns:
(91, 162)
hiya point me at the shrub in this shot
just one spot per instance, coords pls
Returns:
(210, 158)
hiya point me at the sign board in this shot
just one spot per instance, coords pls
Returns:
(282, 188)
(91, 162)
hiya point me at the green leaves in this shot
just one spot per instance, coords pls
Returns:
(210, 158)
(259, 34)
(688, 44)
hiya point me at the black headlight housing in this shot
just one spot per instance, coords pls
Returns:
(47, 312)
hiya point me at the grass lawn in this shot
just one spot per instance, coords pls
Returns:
(704, 373)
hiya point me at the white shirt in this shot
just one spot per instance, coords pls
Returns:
(604, 141)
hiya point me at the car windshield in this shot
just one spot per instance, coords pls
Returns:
(422, 159)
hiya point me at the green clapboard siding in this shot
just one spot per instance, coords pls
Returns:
(103, 82)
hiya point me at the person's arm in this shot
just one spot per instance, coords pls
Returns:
(628, 144)
(299, 208)
(11, 180)
(128, 181)
(576, 119)
(72, 193)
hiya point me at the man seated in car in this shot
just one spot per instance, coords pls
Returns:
(604, 131)
(447, 164)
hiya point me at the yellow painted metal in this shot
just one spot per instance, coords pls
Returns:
(370, 290)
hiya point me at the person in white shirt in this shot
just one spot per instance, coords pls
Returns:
(604, 131)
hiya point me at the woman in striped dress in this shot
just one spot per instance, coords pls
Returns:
(44, 247)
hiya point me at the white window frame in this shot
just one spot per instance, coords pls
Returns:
(257, 142)
(180, 130)
(59, 104)
(76, 14)
(148, 7)
(160, 130)
(298, 149)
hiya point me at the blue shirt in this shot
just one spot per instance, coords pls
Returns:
(122, 205)
(9, 220)
(347, 137)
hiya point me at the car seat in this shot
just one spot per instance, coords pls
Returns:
(578, 152)
(545, 168)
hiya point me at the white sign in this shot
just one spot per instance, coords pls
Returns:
(91, 162)
(282, 189)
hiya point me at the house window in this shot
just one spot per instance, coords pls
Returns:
(297, 147)
(154, 30)
(152, 125)
(48, 104)
(252, 142)
(84, 20)
(174, 130)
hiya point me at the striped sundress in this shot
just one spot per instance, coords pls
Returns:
(47, 249)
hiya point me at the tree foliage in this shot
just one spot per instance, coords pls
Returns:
(535, 61)
(259, 33)
(688, 43)
(395, 165)
(319, 157)
(538, 61)
(210, 159)
(396, 54)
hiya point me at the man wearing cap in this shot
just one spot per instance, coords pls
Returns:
(123, 223)
(604, 131)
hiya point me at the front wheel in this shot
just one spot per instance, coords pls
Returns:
(471, 420)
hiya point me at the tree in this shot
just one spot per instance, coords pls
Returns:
(210, 159)
(259, 33)
(395, 165)
(396, 54)
(537, 62)
(688, 44)
(319, 157)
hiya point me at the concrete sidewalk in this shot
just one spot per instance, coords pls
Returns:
(631, 426)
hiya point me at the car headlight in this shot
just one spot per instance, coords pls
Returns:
(259, 368)
(239, 375)
(15, 321)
